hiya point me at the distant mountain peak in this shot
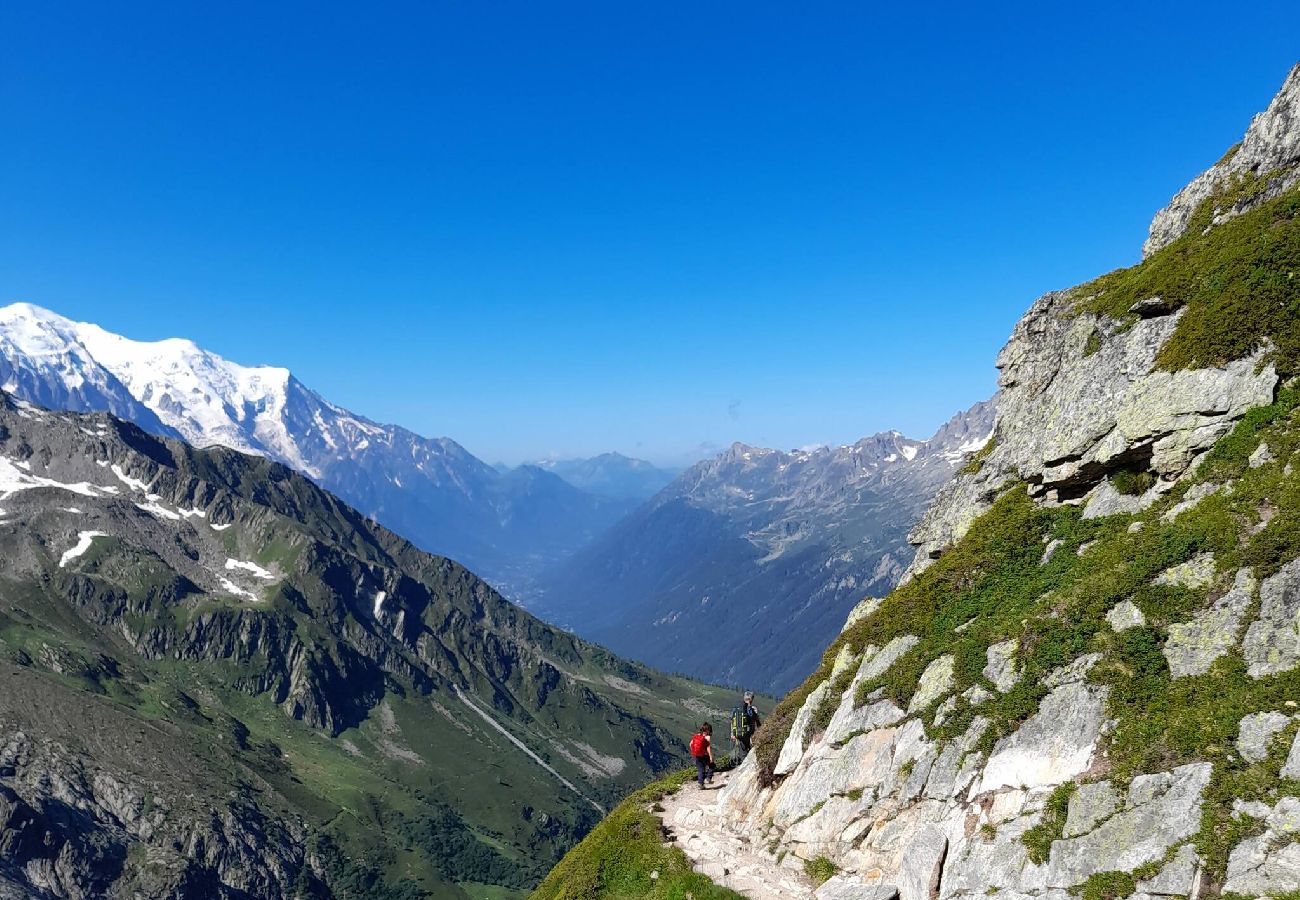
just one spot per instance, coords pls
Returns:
(431, 490)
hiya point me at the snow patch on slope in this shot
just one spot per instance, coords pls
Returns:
(254, 568)
(84, 540)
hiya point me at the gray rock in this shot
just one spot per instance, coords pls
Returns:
(1151, 307)
(1105, 500)
(1291, 768)
(1256, 731)
(1073, 673)
(1268, 864)
(935, 681)
(1272, 642)
(1197, 572)
(852, 887)
(1261, 456)
(792, 749)
(1195, 494)
(956, 766)
(1090, 805)
(893, 651)
(866, 606)
(922, 864)
(1001, 667)
(849, 720)
(1055, 744)
(1271, 143)
(1253, 808)
(1193, 646)
(1160, 811)
(1125, 615)
(1178, 877)
(1050, 550)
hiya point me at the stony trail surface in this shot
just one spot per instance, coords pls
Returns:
(696, 825)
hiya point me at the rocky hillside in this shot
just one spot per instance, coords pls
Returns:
(1088, 685)
(217, 680)
(744, 567)
(505, 526)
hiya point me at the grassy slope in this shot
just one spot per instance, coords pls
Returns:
(616, 861)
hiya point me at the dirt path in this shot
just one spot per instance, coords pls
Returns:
(692, 819)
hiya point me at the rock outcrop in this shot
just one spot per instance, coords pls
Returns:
(1089, 681)
(1080, 399)
(1271, 149)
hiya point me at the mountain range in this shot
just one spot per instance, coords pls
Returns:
(743, 568)
(220, 681)
(701, 573)
(611, 475)
(506, 526)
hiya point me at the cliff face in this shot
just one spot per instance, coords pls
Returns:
(1089, 681)
(1083, 395)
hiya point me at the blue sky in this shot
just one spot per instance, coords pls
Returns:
(562, 228)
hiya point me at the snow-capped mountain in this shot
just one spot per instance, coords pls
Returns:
(743, 569)
(433, 491)
(612, 475)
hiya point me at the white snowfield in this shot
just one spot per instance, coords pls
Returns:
(84, 540)
(161, 512)
(254, 568)
(235, 590)
(134, 483)
(208, 400)
(15, 476)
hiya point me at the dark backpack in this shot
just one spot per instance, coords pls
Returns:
(740, 722)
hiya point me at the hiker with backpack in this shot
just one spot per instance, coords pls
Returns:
(702, 753)
(744, 722)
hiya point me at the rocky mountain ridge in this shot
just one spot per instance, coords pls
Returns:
(745, 566)
(506, 526)
(611, 475)
(220, 681)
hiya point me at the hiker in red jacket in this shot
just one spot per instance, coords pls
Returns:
(702, 752)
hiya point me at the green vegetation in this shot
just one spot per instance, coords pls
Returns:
(1108, 886)
(1038, 840)
(820, 869)
(301, 706)
(1093, 344)
(1133, 483)
(624, 857)
(1237, 281)
(993, 583)
(976, 462)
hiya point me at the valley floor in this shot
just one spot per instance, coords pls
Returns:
(696, 826)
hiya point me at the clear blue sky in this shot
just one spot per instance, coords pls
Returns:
(569, 227)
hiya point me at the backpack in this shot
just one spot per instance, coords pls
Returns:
(739, 722)
(699, 746)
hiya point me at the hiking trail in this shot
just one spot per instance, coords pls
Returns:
(697, 827)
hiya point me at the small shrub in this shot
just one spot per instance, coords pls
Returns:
(820, 870)
(1038, 840)
(1108, 886)
(1133, 483)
